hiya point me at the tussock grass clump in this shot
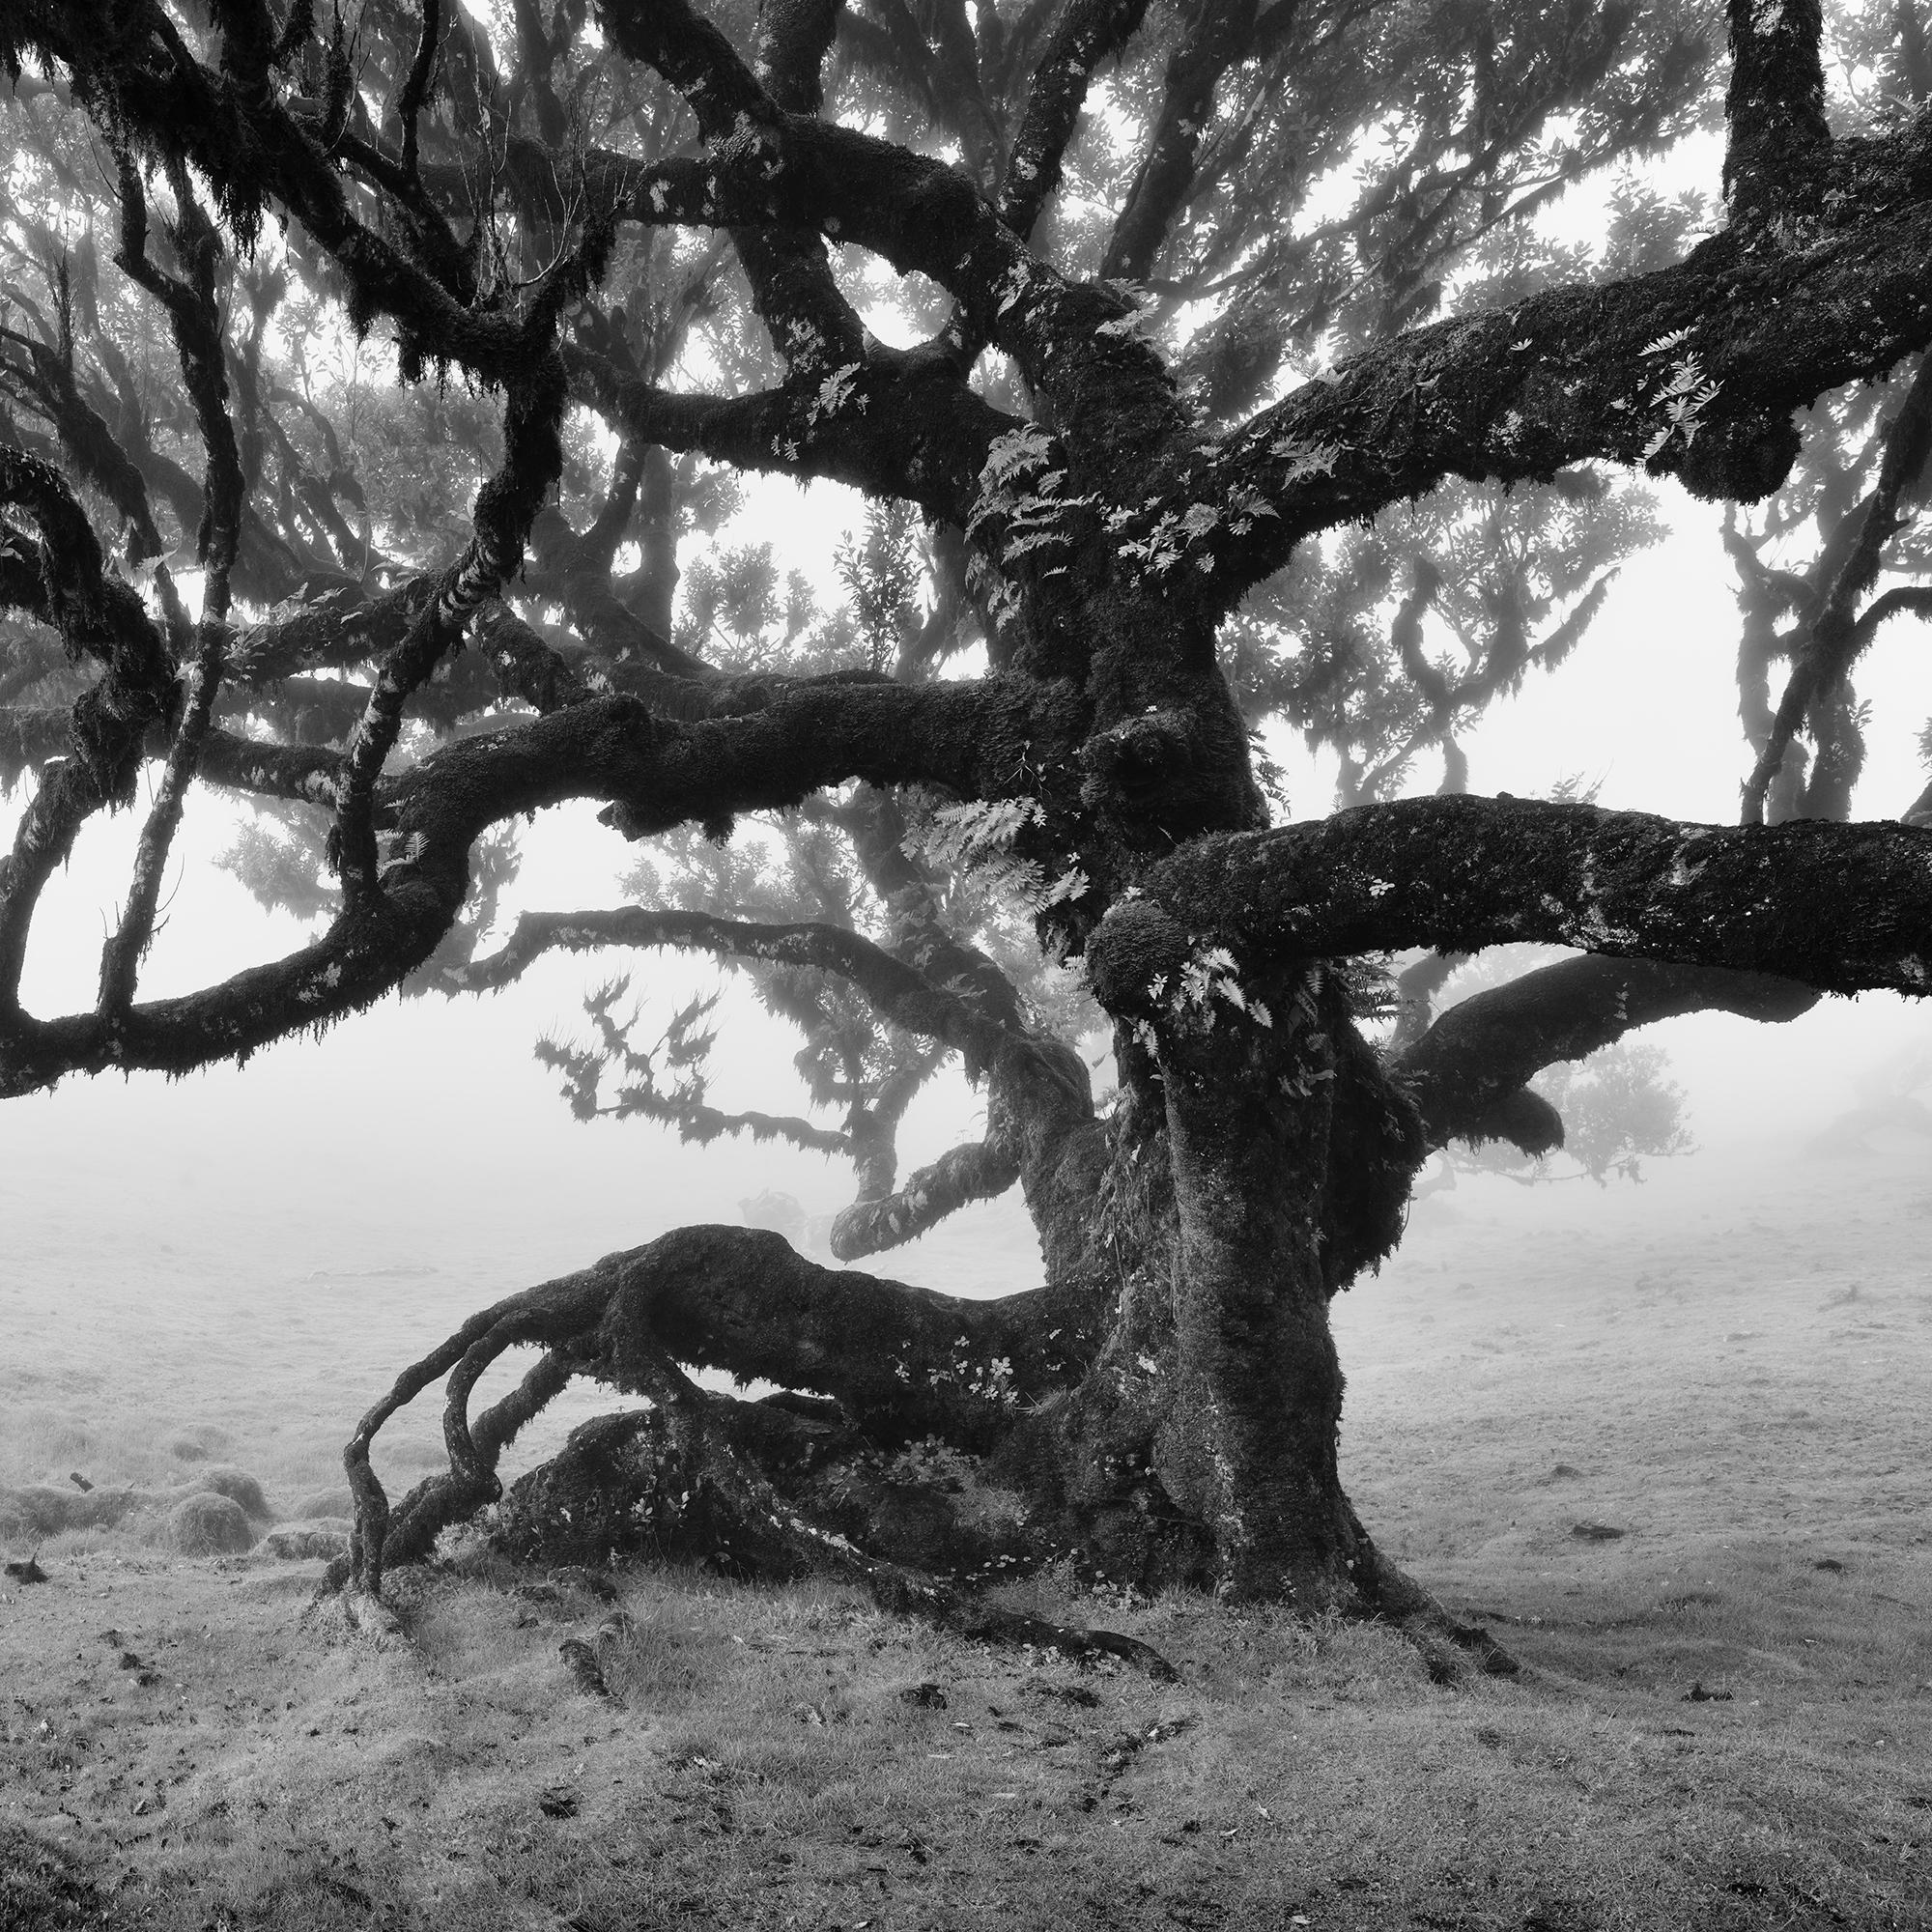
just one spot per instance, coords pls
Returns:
(208, 1524)
(238, 1487)
(198, 1443)
(41, 1510)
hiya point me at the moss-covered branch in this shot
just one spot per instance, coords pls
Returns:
(1462, 873)
(654, 773)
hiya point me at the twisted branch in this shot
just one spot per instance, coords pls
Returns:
(1470, 1071)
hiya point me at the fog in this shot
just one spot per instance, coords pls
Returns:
(426, 1129)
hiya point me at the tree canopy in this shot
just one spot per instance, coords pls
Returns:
(378, 393)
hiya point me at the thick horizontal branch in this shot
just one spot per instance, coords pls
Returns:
(1904, 600)
(986, 739)
(983, 740)
(300, 773)
(332, 632)
(361, 956)
(1468, 1071)
(899, 424)
(303, 774)
(904, 1361)
(1694, 371)
(1842, 908)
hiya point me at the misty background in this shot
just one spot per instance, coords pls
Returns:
(424, 1130)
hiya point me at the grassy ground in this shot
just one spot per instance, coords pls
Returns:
(1711, 1730)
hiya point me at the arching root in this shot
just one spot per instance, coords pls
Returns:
(743, 1485)
(561, 1317)
(710, 1497)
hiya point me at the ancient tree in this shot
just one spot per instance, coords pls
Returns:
(1233, 385)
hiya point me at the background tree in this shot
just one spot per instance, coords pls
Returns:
(1190, 306)
(1811, 557)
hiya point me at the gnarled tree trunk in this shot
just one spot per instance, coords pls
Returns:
(1166, 1409)
(1164, 1413)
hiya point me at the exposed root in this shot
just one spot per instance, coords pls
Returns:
(1421, 1618)
(334, 1609)
(791, 1484)
(585, 1667)
(901, 1362)
(710, 1493)
(984, 1624)
(371, 1616)
(558, 1315)
(763, 1533)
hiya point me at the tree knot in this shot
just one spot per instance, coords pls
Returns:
(1138, 950)
(1740, 461)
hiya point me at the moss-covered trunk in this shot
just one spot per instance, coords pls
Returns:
(1165, 1411)
(1258, 1162)
(1248, 1433)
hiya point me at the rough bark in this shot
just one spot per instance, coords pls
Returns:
(1466, 872)
(1166, 1406)
(898, 1364)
